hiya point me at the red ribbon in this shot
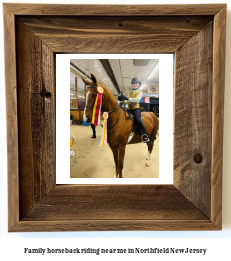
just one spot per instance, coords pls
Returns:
(97, 111)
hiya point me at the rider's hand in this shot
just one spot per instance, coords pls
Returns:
(122, 97)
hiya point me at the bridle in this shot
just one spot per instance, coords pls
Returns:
(109, 111)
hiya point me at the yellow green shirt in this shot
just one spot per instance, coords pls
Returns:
(134, 99)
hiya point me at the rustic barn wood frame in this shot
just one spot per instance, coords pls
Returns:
(33, 34)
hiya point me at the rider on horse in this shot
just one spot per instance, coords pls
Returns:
(133, 101)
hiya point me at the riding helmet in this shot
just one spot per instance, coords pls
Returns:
(136, 79)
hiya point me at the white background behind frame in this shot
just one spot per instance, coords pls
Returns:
(217, 242)
(63, 120)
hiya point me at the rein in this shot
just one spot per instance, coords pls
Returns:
(117, 118)
(126, 117)
(113, 110)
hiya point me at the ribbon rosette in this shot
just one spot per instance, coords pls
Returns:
(104, 132)
(97, 106)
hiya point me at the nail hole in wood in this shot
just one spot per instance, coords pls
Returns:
(45, 94)
(198, 158)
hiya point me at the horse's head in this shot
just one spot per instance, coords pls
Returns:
(91, 94)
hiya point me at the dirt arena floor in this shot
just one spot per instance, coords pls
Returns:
(93, 161)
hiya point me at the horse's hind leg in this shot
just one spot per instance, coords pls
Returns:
(148, 159)
(150, 147)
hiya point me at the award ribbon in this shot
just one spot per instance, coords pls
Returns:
(104, 132)
(97, 107)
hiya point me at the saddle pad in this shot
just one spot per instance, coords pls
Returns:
(130, 137)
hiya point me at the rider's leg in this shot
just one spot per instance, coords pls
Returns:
(137, 115)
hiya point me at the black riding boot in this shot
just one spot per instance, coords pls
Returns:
(145, 136)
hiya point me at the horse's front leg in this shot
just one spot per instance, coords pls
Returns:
(121, 159)
(115, 154)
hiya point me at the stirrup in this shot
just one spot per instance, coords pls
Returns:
(146, 139)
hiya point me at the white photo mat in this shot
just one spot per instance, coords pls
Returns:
(166, 112)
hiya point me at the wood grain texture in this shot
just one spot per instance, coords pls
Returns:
(113, 202)
(35, 63)
(114, 10)
(193, 112)
(11, 116)
(111, 207)
(218, 114)
(195, 202)
(115, 34)
(114, 225)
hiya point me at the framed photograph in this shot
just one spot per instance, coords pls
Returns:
(153, 87)
(34, 34)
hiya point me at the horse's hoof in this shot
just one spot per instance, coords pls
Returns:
(147, 164)
(115, 176)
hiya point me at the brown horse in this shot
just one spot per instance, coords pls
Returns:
(118, 126)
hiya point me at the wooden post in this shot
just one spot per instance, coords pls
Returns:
(76, 88)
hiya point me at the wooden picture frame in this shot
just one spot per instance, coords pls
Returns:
(33, 34)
